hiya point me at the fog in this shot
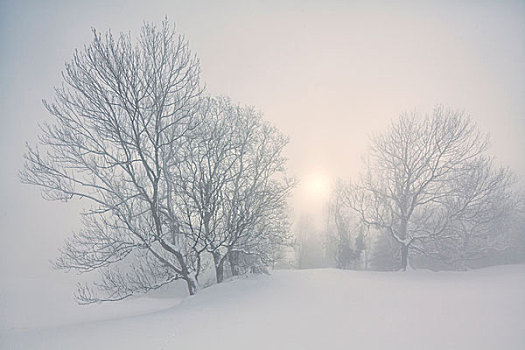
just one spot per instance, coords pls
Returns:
(328, 74)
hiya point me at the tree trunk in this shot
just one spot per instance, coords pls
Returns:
(404, 247)
(186, 274)
(366, 259)
(404, 257)
(219, 267)
(192, 285)
(233, 258)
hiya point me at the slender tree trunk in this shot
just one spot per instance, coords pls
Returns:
(186, 275)
(192, 285)
(404, 257)
(404, 247)
(233, 258)
(219, 267)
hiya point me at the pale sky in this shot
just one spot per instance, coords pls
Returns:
(327, 73)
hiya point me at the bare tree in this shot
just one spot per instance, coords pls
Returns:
(426, 180)
(209, 153)
(232, 185)
(345, 238)
(255, 203)
(118, 118)
(484, 205)
(309, 250)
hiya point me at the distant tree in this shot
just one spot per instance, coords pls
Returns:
(428, 181)
(118, 118)
(485, 210)
(308, 244)
(515, 235)
(385, 254)
(345, 238)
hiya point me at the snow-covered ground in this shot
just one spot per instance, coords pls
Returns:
(309, 309)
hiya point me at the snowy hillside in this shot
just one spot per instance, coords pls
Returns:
(310, 309)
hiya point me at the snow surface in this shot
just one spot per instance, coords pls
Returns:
(307, 309)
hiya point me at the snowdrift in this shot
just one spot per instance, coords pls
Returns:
(307, 309)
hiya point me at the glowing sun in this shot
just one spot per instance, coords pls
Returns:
(317, 185)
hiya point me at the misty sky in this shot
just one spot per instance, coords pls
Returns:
(327, 73)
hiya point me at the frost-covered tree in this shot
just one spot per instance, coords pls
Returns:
(232, 186)
(171, 175)
(117, 121)
(345, 236)
(485, 209)
(309, 249)
(385, 254)
(428, 181)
